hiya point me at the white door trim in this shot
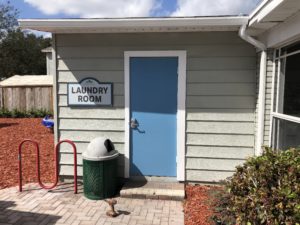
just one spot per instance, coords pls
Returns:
(181, 97)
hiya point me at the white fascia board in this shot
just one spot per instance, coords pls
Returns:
(136, 24)
(263, 10)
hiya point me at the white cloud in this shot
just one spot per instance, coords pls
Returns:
(95, 8)
(213, 7)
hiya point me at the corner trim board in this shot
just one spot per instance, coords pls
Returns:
(55, 89)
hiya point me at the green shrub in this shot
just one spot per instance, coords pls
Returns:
(18, 114)
(33, 113)
(5, 113)
(264, 190)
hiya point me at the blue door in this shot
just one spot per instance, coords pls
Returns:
(153, 105)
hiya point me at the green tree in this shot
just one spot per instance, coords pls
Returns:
(8, 18)
(20, 53)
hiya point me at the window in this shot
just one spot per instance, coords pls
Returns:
(291, 102)
(285, 114)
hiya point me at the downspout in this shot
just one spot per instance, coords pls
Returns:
(262, 84)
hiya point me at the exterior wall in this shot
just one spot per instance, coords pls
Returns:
(220, 104)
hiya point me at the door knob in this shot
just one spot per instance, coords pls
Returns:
(134, 123)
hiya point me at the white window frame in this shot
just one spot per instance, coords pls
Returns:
(277, 112)
(181, 107)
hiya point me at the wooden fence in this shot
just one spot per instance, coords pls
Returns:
(26, 98)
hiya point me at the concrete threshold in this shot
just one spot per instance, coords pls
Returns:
(149, 189)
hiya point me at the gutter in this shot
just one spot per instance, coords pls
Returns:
(262, 87)
(119, 25)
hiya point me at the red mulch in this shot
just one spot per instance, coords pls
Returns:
(12, 132)
(197, 207)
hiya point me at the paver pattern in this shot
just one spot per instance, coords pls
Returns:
(61, 206)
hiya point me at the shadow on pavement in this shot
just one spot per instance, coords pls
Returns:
(10, 216)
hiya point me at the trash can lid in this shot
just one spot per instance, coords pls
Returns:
(100, 149)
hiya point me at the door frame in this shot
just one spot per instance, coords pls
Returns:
(181, 98)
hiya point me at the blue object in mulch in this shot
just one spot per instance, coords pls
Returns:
(47, 122)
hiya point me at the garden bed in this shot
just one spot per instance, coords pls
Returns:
(12, 132)
(198, 205)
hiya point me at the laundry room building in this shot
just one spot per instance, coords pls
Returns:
(189, 98)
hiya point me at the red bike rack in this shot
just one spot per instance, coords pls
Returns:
(56, 163)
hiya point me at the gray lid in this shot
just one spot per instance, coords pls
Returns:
(100, 149)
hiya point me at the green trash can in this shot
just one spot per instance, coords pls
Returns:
(100, 163)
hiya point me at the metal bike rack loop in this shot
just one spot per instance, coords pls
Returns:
(38, 173)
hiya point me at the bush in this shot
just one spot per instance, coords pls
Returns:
(33, 113)
(264, 190)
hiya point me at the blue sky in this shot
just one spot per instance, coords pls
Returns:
(130, 8)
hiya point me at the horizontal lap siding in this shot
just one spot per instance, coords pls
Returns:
(207, 175)
(92, 124)
(220, 95)
(234, 140)
(220, 102)
(151, 40)
(196, 50)
(268, 97)
(91, 113)
(220, 127)
(86, 136)
(221, 98)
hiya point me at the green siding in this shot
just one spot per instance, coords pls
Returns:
(221, 95)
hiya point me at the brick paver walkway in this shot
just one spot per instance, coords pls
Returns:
(61, 206)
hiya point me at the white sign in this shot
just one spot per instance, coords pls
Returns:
(89, 92)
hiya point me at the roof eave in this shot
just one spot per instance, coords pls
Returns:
(271, 13)
(134, 24)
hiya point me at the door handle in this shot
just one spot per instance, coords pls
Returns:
(133, 123)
